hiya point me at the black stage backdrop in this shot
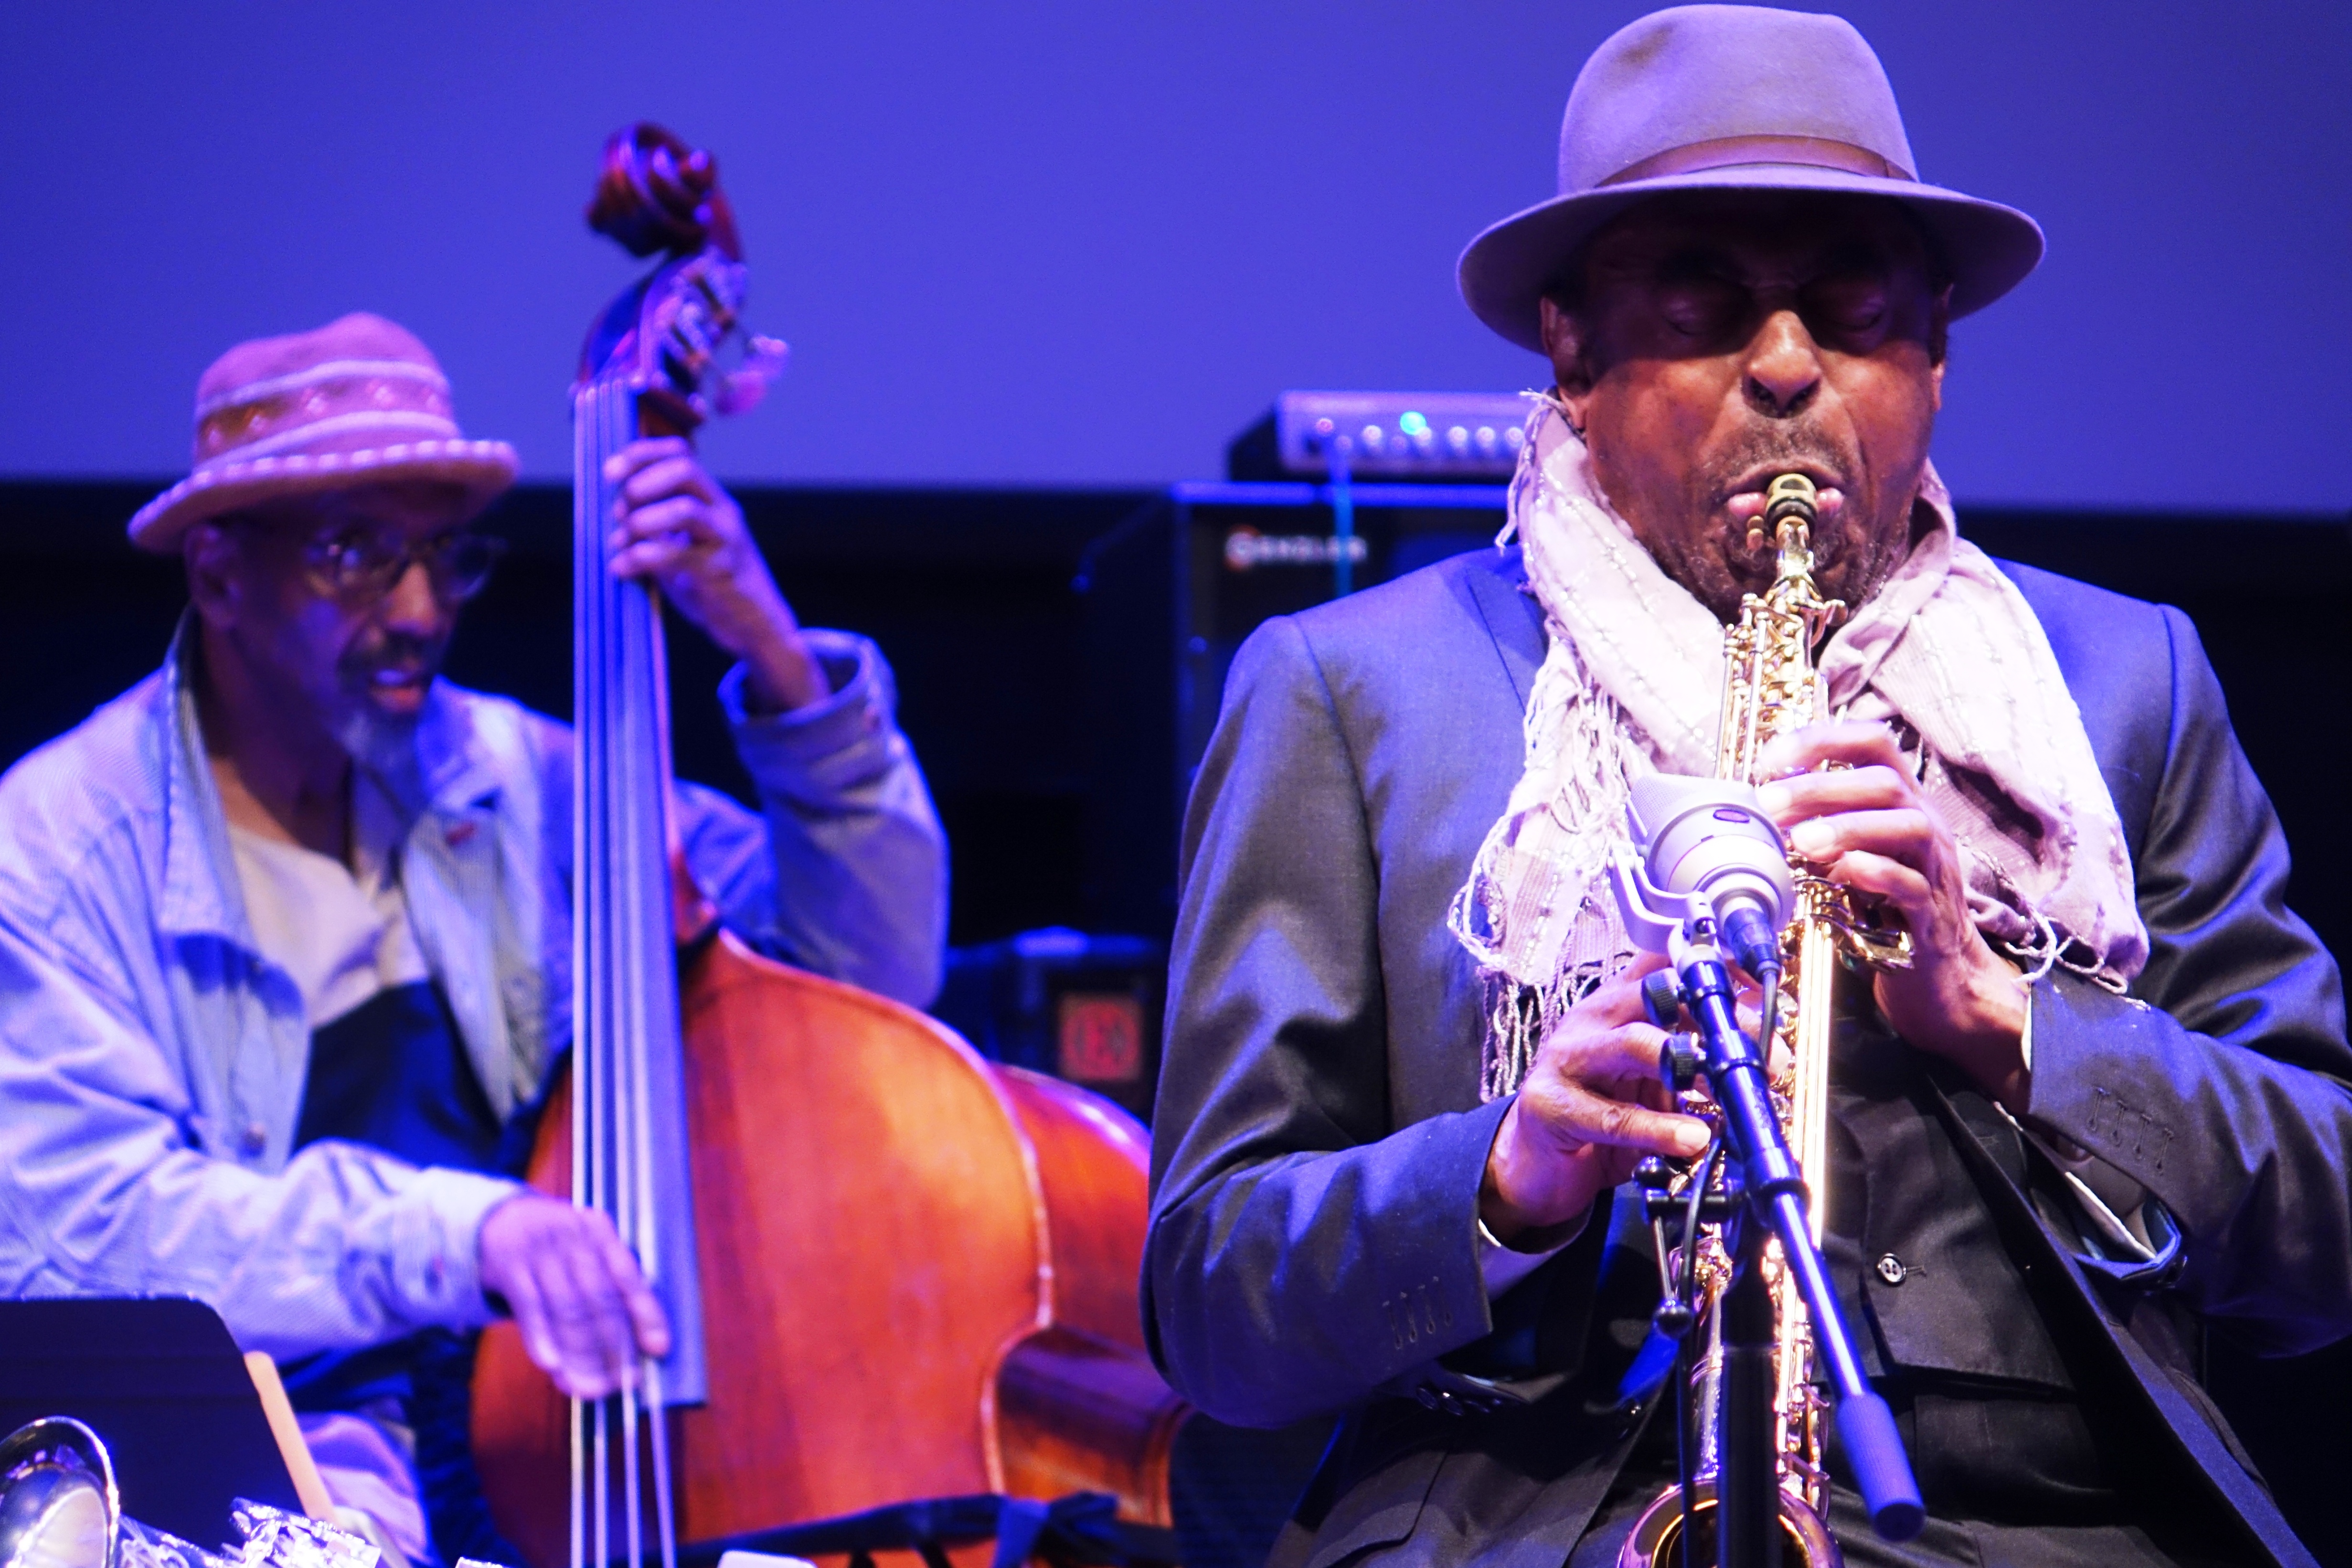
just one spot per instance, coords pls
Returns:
(973, 596)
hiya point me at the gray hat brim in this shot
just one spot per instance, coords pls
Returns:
(1507, 269)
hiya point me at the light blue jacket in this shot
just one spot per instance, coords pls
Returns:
(152, 1060)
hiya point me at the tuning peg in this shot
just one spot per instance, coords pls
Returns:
(742, 387)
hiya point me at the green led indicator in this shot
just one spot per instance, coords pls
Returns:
(1411, 424)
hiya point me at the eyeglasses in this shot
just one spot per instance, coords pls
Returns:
(366, 564)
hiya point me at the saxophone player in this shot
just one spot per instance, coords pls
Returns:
(1409, 1073)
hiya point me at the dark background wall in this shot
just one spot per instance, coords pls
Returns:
(1064, 242)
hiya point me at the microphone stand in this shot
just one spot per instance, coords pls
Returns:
(1773, 1203)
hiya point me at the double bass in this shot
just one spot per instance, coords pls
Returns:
(893, 1270)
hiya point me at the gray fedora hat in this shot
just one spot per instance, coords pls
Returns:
(1710, 98)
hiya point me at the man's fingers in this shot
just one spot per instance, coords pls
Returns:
(610, 1271)
(677, 476)
(606, 1338)
(1604, 1088)
(651, 557)
(530, 1321)
(649, 1325)
(1858, 741)
(1872, 787)
(672, 515)
(1596, 1118)
(1628, 1051)
(1619, 999)
(579, 1299)
(646, 1317)
(1891, 880)
(552, 1328)
(644, 453)
(1906, 834)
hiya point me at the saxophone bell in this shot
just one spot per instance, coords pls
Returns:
(1657, 1538)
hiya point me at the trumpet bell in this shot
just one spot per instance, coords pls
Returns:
(59, 1505)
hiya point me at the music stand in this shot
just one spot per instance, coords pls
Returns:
(162, 1384)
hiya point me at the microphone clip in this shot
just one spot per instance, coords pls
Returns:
(1703, 854)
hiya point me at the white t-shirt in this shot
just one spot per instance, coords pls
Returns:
(341, 932)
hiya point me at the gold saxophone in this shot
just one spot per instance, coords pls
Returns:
(1771, 689)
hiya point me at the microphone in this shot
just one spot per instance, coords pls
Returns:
(1704, 847)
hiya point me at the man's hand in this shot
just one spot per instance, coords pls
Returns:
(1869, 828)
(577, 1294)
(675, 526)
(1591, 1107)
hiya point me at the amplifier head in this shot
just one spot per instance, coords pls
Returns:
(1450, 437)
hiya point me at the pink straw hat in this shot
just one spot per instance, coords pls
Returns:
(359, 401)
(1711, 98)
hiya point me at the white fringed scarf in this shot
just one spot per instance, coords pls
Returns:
(1948, 651)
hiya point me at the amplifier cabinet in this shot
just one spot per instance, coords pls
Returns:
(1171, 594)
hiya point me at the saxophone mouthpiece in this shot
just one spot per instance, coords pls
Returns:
(1792, 507)
(1791, 499)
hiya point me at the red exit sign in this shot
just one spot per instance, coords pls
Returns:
(1099, 1037)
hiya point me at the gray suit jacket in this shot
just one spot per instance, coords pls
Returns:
(1320, 1139)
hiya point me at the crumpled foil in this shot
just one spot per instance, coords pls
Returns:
(145, 1546)
(274, 1538)
(277, 1539)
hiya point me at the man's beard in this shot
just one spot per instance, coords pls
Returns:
(375, 738)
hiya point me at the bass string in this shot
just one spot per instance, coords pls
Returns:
(588, 1435)
(594, 916)
(650, 968)
(647, 970)
(617, 1051)
(620, 939)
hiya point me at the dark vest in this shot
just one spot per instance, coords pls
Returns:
(1978, 1358)
(392, 1073)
